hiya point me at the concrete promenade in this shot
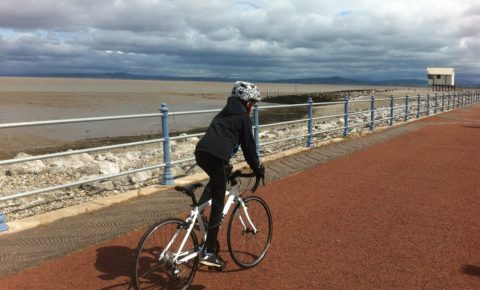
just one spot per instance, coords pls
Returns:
(396, 209)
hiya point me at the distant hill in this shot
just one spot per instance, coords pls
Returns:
(128, 76)
(335, 80)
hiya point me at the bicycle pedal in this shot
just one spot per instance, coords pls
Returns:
(218, 269)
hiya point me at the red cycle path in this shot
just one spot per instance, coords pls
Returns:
(403, 214)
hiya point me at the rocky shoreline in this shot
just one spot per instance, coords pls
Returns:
(31, 175)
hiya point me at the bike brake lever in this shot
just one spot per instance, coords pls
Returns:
(257, 182)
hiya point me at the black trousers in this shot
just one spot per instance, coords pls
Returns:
(216, 169)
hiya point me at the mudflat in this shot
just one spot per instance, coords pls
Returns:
(25, 99)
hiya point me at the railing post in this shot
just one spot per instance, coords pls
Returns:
(455, 96)
(427, 101)
(3, 224)
(406, 108)
(391, 110)
(418, 106)
(256, 129)
(345, 116)
(448, 102)
(372, 112)
(443, 102)
(310, 123)
(167, 174)
(436, 104)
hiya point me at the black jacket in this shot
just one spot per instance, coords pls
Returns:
(230, 128)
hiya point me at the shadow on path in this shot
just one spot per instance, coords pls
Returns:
(471, 270)
(115, 262)
(472, 127)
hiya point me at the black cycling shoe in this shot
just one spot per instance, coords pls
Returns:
(212, 260)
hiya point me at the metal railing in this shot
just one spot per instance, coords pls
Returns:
(405, 109)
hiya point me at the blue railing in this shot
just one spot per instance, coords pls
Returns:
(402, 111)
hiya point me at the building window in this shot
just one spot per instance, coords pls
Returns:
(439, 77)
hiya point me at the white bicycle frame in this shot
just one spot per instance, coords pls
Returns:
(233, 196)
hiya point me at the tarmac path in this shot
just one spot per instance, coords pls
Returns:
(399, 212)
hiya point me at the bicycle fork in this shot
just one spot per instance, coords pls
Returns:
(249, 220)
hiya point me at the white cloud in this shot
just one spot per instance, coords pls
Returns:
(258, 38)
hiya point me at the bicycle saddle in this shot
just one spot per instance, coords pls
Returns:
(188, 189)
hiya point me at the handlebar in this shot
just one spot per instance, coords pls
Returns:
(239, 173)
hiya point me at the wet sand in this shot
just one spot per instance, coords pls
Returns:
(35, 99)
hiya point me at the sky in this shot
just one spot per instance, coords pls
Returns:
(265, 39)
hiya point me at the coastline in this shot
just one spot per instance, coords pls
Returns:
(14, 141)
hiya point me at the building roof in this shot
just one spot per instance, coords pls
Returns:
(440, 71)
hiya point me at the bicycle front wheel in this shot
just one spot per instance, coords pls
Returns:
(249, 232)
(154, 265)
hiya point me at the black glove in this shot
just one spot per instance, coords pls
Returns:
(260, 171)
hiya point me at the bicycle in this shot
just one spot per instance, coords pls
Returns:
(167, 256)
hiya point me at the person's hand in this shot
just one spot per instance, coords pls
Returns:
(260, 171)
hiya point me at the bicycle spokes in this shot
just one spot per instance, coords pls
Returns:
(166, 257)
(249, 232)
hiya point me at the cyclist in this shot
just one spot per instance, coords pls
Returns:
(229, 129)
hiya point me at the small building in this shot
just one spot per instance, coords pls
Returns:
(441, 79)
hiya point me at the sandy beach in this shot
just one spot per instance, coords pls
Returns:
(35, 99)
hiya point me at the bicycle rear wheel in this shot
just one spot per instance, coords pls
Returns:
(246, 246)
(150, 271)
